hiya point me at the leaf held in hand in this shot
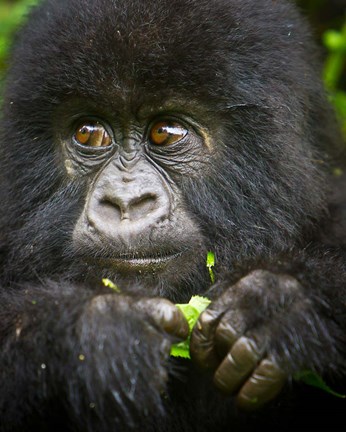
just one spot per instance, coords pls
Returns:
(191, 311)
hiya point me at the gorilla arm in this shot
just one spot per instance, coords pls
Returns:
(104, 355)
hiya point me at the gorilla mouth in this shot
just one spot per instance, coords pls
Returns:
(132, 262)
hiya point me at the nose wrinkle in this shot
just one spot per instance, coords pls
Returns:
(127, 161)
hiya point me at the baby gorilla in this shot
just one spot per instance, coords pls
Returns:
(135, 138)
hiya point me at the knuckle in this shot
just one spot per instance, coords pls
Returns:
(207, 318)
(246, 349)
(225, 336)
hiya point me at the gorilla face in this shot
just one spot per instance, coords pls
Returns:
(134, 219)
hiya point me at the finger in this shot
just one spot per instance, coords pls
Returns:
(202, 347)
(166, 316)
(263, 385)
(231, 327)
(237, 365)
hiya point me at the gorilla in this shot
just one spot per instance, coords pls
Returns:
(136, 137)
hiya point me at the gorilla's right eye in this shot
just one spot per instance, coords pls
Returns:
(92, 134)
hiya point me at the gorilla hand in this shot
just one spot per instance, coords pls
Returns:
(247, 334)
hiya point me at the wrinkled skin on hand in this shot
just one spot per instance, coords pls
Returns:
(240, 344)
(163, 314)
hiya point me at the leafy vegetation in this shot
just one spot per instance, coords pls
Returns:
(12, 13)
(334, 70)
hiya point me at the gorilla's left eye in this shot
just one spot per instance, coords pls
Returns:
(92, 134)
(166, 132)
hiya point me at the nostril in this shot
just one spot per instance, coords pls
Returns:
(112, 210)
(137, 208)
(142, 206)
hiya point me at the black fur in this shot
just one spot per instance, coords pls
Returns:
(264, 197)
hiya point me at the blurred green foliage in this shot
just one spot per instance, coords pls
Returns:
(328, 19)
(334, 70)
(11, 15)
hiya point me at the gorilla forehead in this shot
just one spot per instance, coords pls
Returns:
(129, 44)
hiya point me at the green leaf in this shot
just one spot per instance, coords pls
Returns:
(210, 264)
(109, 284)
(181, 349)
(314, 380)
(191, 311)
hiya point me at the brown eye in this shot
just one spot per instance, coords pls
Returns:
(92, 134)
(165, 133)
